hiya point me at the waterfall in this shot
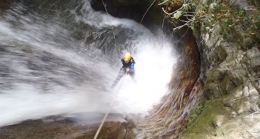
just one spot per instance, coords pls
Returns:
(60, 57)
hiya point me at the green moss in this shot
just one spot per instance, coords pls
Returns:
(204, 126)
(194, 114)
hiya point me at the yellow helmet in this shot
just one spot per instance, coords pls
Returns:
(127, 56)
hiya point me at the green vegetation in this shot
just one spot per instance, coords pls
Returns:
(205, 123)
(240, 22)
(194, 114)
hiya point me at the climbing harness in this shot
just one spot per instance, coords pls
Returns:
(109, 107)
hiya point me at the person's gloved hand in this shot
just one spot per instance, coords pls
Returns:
(127, 69)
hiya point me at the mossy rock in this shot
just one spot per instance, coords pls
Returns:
(214, 114)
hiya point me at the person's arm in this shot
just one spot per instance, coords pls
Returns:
(133, 60)
(132, 64)
(122, 61)
(132, 67)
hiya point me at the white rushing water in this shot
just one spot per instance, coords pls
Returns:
(55, 77)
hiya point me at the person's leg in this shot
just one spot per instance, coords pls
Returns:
(119, 76)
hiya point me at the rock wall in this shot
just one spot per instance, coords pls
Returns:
(231, 88)
(145, 12)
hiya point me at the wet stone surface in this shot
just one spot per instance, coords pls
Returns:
(60, 128)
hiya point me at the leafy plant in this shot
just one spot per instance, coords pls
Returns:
(241, 22)
(194, 114)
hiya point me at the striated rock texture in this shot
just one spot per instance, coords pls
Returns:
(167, 119)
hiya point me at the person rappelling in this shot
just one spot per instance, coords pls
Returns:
(127, 68)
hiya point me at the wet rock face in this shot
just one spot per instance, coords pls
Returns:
(5, 4)
(119, 8)
(231, 88)
(145, 12)
(60, 128)
(167, 119)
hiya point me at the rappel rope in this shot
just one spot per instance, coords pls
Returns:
(109, 108)
(96, 135)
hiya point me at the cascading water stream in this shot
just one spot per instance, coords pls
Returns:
(59, 58)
